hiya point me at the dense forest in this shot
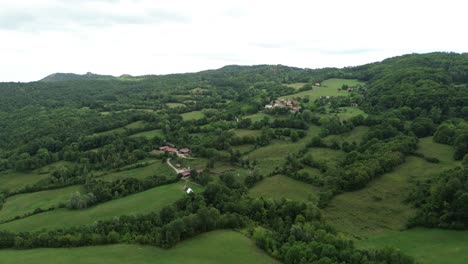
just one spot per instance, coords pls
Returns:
(90, 124)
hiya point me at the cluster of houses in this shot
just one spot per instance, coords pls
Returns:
(180, 152)
(293, 105)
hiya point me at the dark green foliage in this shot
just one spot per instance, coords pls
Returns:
(443, 202)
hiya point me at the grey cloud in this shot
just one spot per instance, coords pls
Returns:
(60, 17)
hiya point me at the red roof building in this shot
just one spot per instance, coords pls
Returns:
(168, 149)
(171, 150)
(184, 151)
(185, 173)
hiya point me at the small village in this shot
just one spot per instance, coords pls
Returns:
(183, 153)
(293, 105)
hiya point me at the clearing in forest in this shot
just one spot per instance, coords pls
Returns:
(220, 246)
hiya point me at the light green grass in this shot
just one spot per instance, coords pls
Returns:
(155, 168)
(194, 115)
(246, 132)
(122, 130)
(380, 206)
(140, 203)
(243, 148)
(278, 187)
(257, 117)
(21, 204)
(149, 134)
(327, 88)
(347, 113)
(274, 154)
(296, 86)
(328, 156)
(175, 105)
(354, 135)
(430, 148)
(12, 180)
(336, 83)
(214, 247)
(431, 246)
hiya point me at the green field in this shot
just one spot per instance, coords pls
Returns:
(149, 134)
(12, 180)
(194, 115)
(354, 135)
(140, 203)
(350, 112)
(275, 153)
(379, 207)
(431, 246)
(243, 148)
(246, 132)
(328, 156)
(257, 117)
(336, 83)
(21, 204)
(174, 105)
(155, 168)
(278, 187)
(443, 152)
(296, 86)
(328, 88)
(122, 130)
(214, 247)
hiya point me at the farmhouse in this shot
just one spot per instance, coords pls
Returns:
(282, 103)
(168, 149)
(189, 190)
(184, 151)
(186, 173)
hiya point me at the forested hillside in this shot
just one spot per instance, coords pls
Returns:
(244, 138)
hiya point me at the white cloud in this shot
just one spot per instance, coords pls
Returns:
(156, 37)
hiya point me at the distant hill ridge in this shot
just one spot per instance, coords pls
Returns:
(57, 77)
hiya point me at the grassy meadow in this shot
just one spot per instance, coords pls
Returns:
(431, 246)
(149, 134)
(174, 105)
(122, 130)
(380, 206)
(155, 168)
(139, 203)
(194, 115)
(220, 246)
(11, 180)
(330, 87)
(278, 187)
(21, 204)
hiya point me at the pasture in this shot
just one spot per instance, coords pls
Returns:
(354, 135)
(246, 132)
(434, 246)
(156, 167)
(331, 87)
(194, 115)
(149, 134)
(123, 130)
(11, 180)
(279, 187)
(380, 206)
(175, 105)
(21, 204)
(220, 246)
(296, 86)
(139, 203)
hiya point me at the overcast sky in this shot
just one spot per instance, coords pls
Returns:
(157, 37)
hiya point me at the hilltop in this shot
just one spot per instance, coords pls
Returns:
(57, 77)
